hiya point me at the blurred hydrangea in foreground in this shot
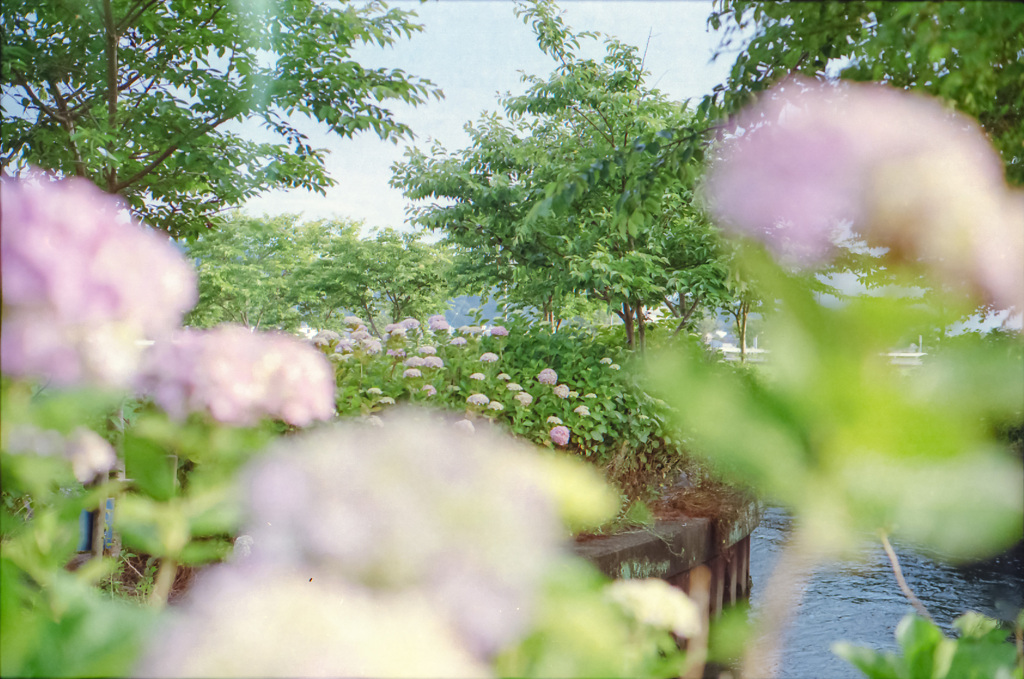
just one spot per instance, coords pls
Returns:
(417, 534)
(238, 376)
(907, 173)
(81, 286)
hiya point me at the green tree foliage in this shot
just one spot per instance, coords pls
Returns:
(969, 54)
(568, 192)
(276, 272)
(145, 97)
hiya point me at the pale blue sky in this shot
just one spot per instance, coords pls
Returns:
(474, 50)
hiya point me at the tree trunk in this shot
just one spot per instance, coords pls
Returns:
(742, 322)
(641, 327)
(627, 319)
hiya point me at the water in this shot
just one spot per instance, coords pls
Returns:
(860, 602)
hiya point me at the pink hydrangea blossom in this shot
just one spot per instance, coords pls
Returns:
(907, 173)
(397, 353)
(81, 285)
(429, 389)
(412, 372)
(489, 357)
(433, 362)
(559, 435)
(410, 324)
(238, 377)
(547, 376)
(458, 341)
(437, 323)
(499, 331)
(372, 346)
(415, 362)
(561, 391)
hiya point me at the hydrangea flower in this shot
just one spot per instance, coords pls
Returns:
(429, 389)
(902, 169)
(325, 337)
(410, 324)
(590, 395)
(512, 386)
(561, 391)
(553, 419)
(374, 391)
(615, 366)
(470, 330)
(582, 411)
(499, 331)
(465, 425)
(458, 341)
(391, 327)
(81, 287)
(654, 602)
(90, 454)
(547, 376)
(574, 394)
(524, 398)
(353, 321)
(344, 345)
(412, 372)
(437, 323)
(495, 405)
(394, 522)
(606, 360)
(427, 350)
(397, 353)
(360, 335)
(387, 401)
(478, 400)
(396, 331)
(372, 346)
(488, 357)
(415, 362)
(559, 435)
(504, 377)
(433, 362)
(239, 377)
(478, 376)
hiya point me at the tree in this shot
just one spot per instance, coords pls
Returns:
(969, 54)
(248, 270)
(144, 97)
(546, 200)
(276, 272)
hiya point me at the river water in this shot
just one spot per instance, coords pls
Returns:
(860, 602)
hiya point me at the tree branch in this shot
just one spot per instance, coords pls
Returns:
(604, 134)
(111, 55)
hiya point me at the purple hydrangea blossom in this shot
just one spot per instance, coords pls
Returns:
(904, 171)
(415, 362)
(547, 376)
(427, 350)
(429, 389)
(561, 391)
(360, 335)
(499, 331)
(397, 353)
(438, 323)
(81, 286)
(239, 377)
(458, 341)
(402, 514)
(412, 372)
(410, 324)
(489, 357)
(559, 435)
(433, 362)
(372, 346)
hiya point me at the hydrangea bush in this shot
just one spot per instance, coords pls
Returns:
(335, 544)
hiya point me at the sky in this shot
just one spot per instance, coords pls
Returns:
(474, 51)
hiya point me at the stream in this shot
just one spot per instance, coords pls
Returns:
(860, 602)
